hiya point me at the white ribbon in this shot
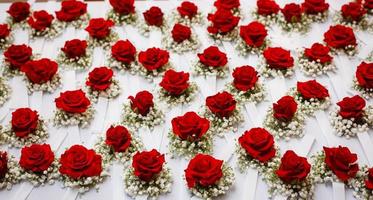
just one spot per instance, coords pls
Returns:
(305, 145)
(21, 99)
(117, 182)
(251, 180)
(338, 191)
(101, 110)
(155, 38)
(277, 88)
(367, 145)
(69, 80)
(23, 191)
(337, 85)
(70, 194)
(36, 100)
(229, 147)
(74, 134)
(253, 114)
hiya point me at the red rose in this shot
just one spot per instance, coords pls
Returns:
(3, 164)
(75, 48)
(142, 102)
(318, 52)
(258, 143)
(353, 11)
(24, 121)
(174, 82)
(364, 75)
(154, 16)
(100, 78)
(36, 158)
(40, 20)
(339, 36)
(221, 104)
(147, 164)
(79, 162)
(222, 21)
(187, 9)
(17, 55)
(40, 71)
(227, 4)
(278, 58)
(118, 138)
(351, 107)
(123, 51)
(368, 182)
(244, 78)
(313, 7)
(368, 4)
(123, 7)
(71, 10)
(73, 101)
(285, 108)
(99, 28)
(4, 31)
(292, 12)
(267, 7)
(180, 33)
(153, 58)
(203, 170)
(19, 11)
(190, 126)
(293, 167)
(342, 162)
(253, 34)
(213, 57)
(312, 89)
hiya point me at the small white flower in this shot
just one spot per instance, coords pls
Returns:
(302, 26)
(198, 19)
(46, 177)
(130, 118)
(120, 20)
(49, 86)
(150, 75)
(266, 71)
(111, 92)
(188, 149)
(49, 33)
(105, 43)
(365, 92)
(191, 44)
(362, 24)
(13, 175)
(314, 68)
(267, 20)
(5, 91)
(203, 70)
(309, 106)
(244, 49)
(319, 17)
(358, 185)
(186, 97)
(256, 94)
(62, 118)
(80, 63)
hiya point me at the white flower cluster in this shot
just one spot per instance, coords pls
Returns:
(119, 19)
(320, 171)
(267, 20)
(136, 120)
(245, 161)
(309, 106)
(49, 33)
(197, 19)
(203, 70)
(131, 68)
(40, 135)
(79, 23)
(228, 37)
(255, 94)
(105, 43)
(349, 50)
(49, 86)
(244, 49)
(150, 75)
(350, 127)
(217, 189)
(145, 29)
(188, 149)
(302, 26)
(62, 118)
(358, 185)
(14, 25)
(111, 92)
(365, 92)
(362, 24)
(48, 176)
(220, 125)
(266, 71)
(285, 130)
(186, 97)
(80, 63)
(5, 91)
(6, 42)
(319, 17)
(191, 44)
(134, 186)
(13, 174)
(313, 68)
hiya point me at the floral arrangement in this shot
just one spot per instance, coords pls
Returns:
(101, 33)
(148, 175)
(73, 12)
(10, 172)
(342, 39)
(362, 81)
(14, 57)
(123, 56)
(5, 91)
(276, 61)
(208, 177)
(293, 19)
(153, 20)
(123, 12)
(222, 25)
(181, 39)
(267, 12)
(75, 55)
(368, 5)
(316, 10)
(187, 13)
(43, 24)
(73, 108)
(18, 12)
(253, 38)
(231, 5)
(285, 119)
(362, 184)
(211, 62)
(5, 36)
(153, 62)
(353, 14)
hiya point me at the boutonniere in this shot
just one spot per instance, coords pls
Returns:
(148, 175)
(10, 172)
(222, 25)
(14, 57)
(18, 14)
(310, 96)
(211, 62)
(353, 14)
(101, 33)
(208, 177)
(368, 5)
(140, 111)
(342, 39)
(316, 60)
(291, 177)
(232, 5)
(181, 39)
(253, 39)
(122, 12)
(43, 25)
(284, 119)
(352, 117)
(5, 91)
(316, 10)
(153, 20)
(75, 54)
(73, 108)
(187, 13)
(153, 62)
(363, 82)
(81, 168)
(223, 112)
(293, 19)
(101, 83)
(276, 61)
(123, 56)
(6, 37)
(362, 184)
(119, 144)
(38, 164)
(267, 12)
(175, 88)
(245, 85)
(73, 12)
(190, 135)
(26, 127)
